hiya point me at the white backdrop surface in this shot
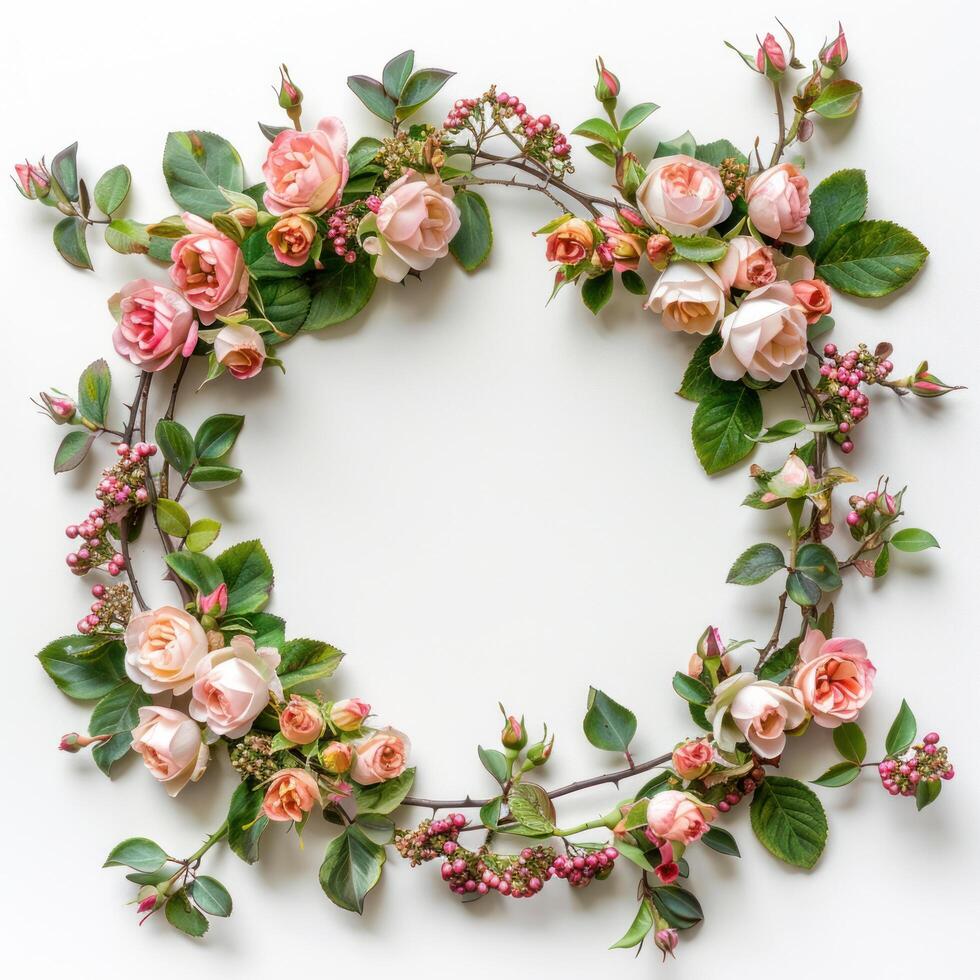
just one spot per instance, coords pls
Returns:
(479, 498)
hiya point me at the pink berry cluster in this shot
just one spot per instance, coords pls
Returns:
(580, 869)
(842, 376)
(867, 512)
(515, 875)
(929, 762)
(341, 231)
(461, 111)
(431, 839)
(112, 608)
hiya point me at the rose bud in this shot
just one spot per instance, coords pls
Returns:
(629, 174)
(348, 715)
(813, 297)
(301, 721)
(73, 742)
(214, 604)
(60, 408)
(33, 180)
(337, 757)
(927, 385)
(659, 249)
(514, 734)
(245, 216)
(770, 59)
(290, 96)
(539, 753)
(834, 54)
(692, 759)
(241, 349)
(607, 86)
(666, 940)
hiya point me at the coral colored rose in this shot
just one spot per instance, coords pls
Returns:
(347, 715)
(292, 793)
(691, 760)
(154, 324)
(241, 349)
(163, 649)
(680, 817)
(779, 204)
(626, 247)
(813, 295)
(171, 746)
(306, 171)
(232, 686)
(758, 712)
(570, 243)
(835, 678)
(415, 223)
(659, 248)
(746, 265)
(765, 337)
(682, 195)
(291, 238)
(301, 721)
(337, 757)
(689, 298)
(382, 756)
(209, 269)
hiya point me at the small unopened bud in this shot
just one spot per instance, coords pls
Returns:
(607, 86)
(666, 940)
(290, 96)
(214, 604)
(927, 385)
(246, 217)
(514, 734)
(659, 249)
(834, 54)
(804, 130)
(60, 408)
(539, 753)
(216, 640)
(73, 742)
(629, 174)
(149, 903)
(770, 59)
(33, 180)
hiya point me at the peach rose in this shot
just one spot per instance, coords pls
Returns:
(692, 759)
(626, 247)
(570, 243)
(835, 678)
(682, 195)
(413, 227)
(746, 709)
(163, 649)
(337, 757)
(676, 816)
(241, 349)
(171, 746)
(209, 269)
(232, 686)
(291, 238)
(306, 171)
(381, 757)
(292, 794)
(813, 296)
(746, 265)
(154, 324)
(347, 715)
(765, 336)
(689, 298)
(301, 721)
(779, 203)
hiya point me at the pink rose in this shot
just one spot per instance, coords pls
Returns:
(241, 349)
(765, 336)
(779, 204)
(209, 269)
(306, 171)
(171, 746)
(680, 817)
(232, 686)
(691, 760)
(570, 243)
(301, 721)
(347, 715)
(758, 712)
(292, 794)
(153, 324)
(746, 265)
(381, 757)
(682, 195)
(689, 297)
(835, 678)
(291, 238)
(413, 227)
(626, 248)
(163, 649)
(813, 296)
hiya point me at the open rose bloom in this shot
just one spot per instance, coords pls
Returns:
(682, 195)
(240, 349)
(681, 817)
(779, 204)
(291, 794)
(689, 298)
(381, 757)
(746, 709)
(835, 678)
(154, 324)
(171, 746)
(163, 649)
(306, 171)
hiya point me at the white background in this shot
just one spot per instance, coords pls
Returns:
(480, 498)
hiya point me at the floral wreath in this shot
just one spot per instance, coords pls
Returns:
(744, 255)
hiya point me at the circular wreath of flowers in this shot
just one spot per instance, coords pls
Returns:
(742, 255)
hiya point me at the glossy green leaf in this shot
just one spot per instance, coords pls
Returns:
(138, 853)
(679, 907)
(118, 711)
(198, 571)
(73, 449)
(699, 248)
(838, 100)
(246, 822)
(836, 200)
(699, 380)
(720, 840)
(642, 924)
(112, 189)
(340, 293)
(182, 915)
(351, 868)
(106, 754)
(839, 774)
(634, 116)
(472, 243)
(210, 895)
(397, 72)
(913, 539)
(306, 660)
(495, 763)
(599, 130)
(421, 87)
(69, 240)
(94, 387)
(287, 304)
(926, 792)
(789, 820)
(85, 672)
(384, 797)
(850, 742)
(685, 143)
(756, 564)
(216, 436)
(209, 476)
(633, 282)
(608, 725)
(64, 170)
(723, 423)
(202, 534)
(175, 443)
(196, 165)
(802, 590)
(690, 689)
(779, 664)
(247, 571)
(870, 258)
(172, 518)
(717, 152)
(127, 237)
(597, 291)
(902, 732)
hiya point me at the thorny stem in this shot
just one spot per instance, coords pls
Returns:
(513, 182)
(777, 151)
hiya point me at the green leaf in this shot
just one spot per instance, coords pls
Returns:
(247, 572)
(201, 534)
(633, 117)
(118, 711)
(495, 763)
(913, 539)
(472, 243)
(720, 840)
(73, 449)
(183, 916)
(870, 258)
(198, 571)
(172, 518)
(196, 165)
(112, 189)
(106, 754)
(380, 829)
(362, 154)
(490, 812)
(84, 668)
(213, 477)
(69, 240)
(599, 130)
(819, 564)
(210, 895)
(685, 143)
(779, 664)
(602, 152)
(533, 810)
(633, 282)
(642, 924)
(850, 742)
(246, 822)
(839, 774)
(138, 853)
(127, 237)
(351, 868)
(270, 631)
(690, 689)
(632, 853)
(653, 786)
(789, 820)
(679, 907)
(306, 660)
(397, 72)
(597, 291)
(699, 380)
(372, 94)
(176, 444)
(717, 152)
(340, 293)
(723, 422)
(94, 386)
(838, 100)
(384, 797)
(926, 791)
(421, 87)
(287, 303)
(837, 200)
(802, 590)
(64, 169)
(216, 436)
(882, 561)
(902, 732)
(608, 725)
(699, 248)
(756, 564)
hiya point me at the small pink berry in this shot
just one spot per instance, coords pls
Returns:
(931, 739)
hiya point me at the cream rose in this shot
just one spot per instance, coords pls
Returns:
(746, 265)
(680, 817)
(835, 678)
(765, 337)
(163, 649)
(779, 204)
(381, 757)
(746, 709)
(682, 195)
(171, 746)
(689, 298)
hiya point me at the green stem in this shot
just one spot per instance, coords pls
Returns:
(588, 825)
(218, 835)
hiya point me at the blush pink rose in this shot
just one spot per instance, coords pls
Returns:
(301, 721)
(381, 757)
(813, 295)
(163, 649)
(292, 794)
(171, 746)
(348, 714)
(676, 816)
(209, 270)
(306, 171)
(691, 760)
(240, 349)
(232, 686)
(779, 204)
(689, 298)
(682, 195)
(746, 709)
(746, 265)
(414, 225)
(154, 324)
(835, 678)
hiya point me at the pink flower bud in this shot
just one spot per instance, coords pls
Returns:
(514, 734)
(659, 249)
(290, 96)
(214, 604)
(69, 742)
(347, 715)
(927, 385)
(666, 940)
(834, 55)
(607, 86)
(33, 180)
(60, 408)
(148, 904)
(770, 56)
